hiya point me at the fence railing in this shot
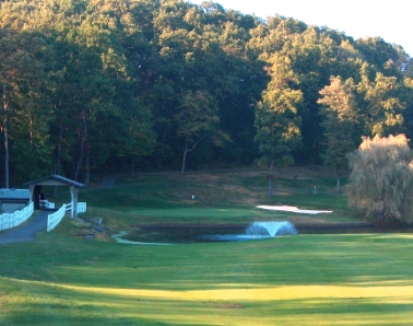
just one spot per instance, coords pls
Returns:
(11, 220)
(54, 219)
(81, 207)
(46, 204)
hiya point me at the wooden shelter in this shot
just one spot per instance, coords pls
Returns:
(54, 180)
(12, 200)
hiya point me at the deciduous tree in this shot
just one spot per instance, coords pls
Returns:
(196, 121)
(338, 109)
(277, 121)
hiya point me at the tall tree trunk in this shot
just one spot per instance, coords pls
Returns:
(186, 150)
(6, 154)
(87, 178)
(160, 157)
(270, 179)
(6, 139)
(79, 161)
(82, 148)
(31, 133)
(338, 185)
(59, 151)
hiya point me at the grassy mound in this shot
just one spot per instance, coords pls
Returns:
(219, 197)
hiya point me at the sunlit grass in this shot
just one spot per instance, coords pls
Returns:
(366, 279)
(331, 279)
(387, 292)
(235, 306)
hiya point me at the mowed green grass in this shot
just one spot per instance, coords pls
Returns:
(351, 279)
(218, 198)
(363, 279)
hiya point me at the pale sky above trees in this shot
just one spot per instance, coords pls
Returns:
(388, 19)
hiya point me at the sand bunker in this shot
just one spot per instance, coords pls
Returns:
(292, 209)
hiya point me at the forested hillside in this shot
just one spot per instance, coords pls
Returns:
(94, 86)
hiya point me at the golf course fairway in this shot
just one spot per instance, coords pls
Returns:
(354, 279)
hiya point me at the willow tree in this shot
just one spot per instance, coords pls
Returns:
(381, 181)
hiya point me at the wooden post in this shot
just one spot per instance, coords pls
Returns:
(74, 193)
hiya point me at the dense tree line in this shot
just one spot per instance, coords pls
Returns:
(103, 85)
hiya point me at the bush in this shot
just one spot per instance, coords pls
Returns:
(381, 180)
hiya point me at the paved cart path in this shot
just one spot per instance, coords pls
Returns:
(109, 181)
(26, 232)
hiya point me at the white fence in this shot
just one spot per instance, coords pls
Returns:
(46, 204)
(54, 219)
(81, 207)
(11, 220)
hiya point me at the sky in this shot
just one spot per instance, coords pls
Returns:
(391, 20)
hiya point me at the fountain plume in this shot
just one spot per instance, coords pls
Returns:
(271, 228)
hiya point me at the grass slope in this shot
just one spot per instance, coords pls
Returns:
(299, 280)
(227, 197)
(353, 279)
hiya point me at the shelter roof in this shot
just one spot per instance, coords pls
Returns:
(10, 193)
(55, 180)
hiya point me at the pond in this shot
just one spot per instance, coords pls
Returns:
(176, 233)
(193, 233)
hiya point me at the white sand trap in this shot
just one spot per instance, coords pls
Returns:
(293, 209)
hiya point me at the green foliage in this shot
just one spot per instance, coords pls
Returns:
(197, 120)
(101, 85)
(277, 120)
(381, 181)
(382, 110)
(338, 110)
